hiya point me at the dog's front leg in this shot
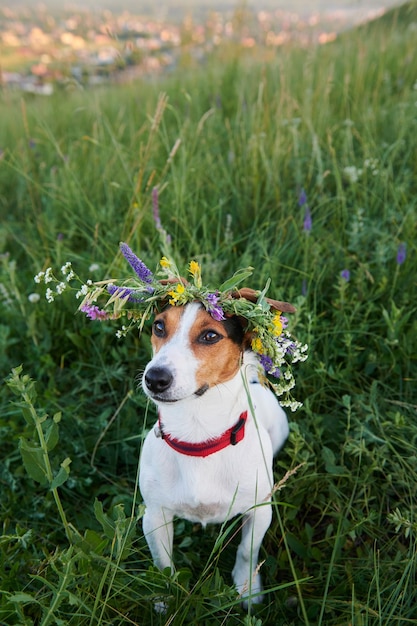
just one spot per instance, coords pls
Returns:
(158, 528)
(245, 575)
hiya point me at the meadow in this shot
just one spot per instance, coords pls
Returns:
(301, 164)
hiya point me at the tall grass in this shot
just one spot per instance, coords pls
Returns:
(242, 151)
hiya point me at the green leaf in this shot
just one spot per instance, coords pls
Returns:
(26, 412)
(22, 598)
(34, 461)
(52, 435)
(106, 524)
(236, 279)
(62, 474)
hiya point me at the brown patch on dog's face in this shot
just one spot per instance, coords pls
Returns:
(165, 325)
(217, 353)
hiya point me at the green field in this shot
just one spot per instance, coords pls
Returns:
(303, 166)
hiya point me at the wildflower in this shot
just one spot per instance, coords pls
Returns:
(48, 276)
(122, 332)
(302, 198)
(143, 273)
(195, 271)
(345, 274)
(60, 288)
(277, 325)
(268, 365)
(304, 288)
(93, 312)
(33, 298)
(308, 222)
(165, 263)
(82, 292)
(352, 173)
(94, 267)
(39, 277)
(257, 345)
(214, 308)
(155, 208)
(65, 269)
(49, 295)
(401, 253)
(126, 292)
(176, 294)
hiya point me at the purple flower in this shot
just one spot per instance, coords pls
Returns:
(155, 208)
(126, 292)
(143, 273)
(290, 348)
(401, 253)
(302, 198)
(268, 365)
(345, 274)
(94, 313)
(214, 308)
(304, 288)
(308, 222)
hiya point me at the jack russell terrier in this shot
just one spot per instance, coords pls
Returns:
(209, 457)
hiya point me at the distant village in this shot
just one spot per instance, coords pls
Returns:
(41, 52)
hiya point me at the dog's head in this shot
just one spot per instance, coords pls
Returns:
(192, 352)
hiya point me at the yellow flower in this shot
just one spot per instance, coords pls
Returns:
(257, 345)
(277, 324)
(176, 295)
(165, 263)
(195, 270)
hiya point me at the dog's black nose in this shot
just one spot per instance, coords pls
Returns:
(158, 379)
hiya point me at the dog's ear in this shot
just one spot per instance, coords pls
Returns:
(252, 296)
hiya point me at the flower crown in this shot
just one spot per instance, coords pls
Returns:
(138, 297)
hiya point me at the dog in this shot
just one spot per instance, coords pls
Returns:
(210, 454)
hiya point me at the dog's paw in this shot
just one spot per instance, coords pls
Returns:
(250, 593)
(160, 607)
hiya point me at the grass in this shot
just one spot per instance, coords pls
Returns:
(230, 147)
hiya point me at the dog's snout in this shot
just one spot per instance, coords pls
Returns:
(158, 379)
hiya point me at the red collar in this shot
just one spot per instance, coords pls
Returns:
(229, 438)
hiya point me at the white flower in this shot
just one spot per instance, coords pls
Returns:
(33, 298)
(94, 267)
(48, 276)
(49, 295)
(66, 268)
(352, 173)
(39, 277)
(60, 287)
(82, 292)
(122, 332)
(70, 276)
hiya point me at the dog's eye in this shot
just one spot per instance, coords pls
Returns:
(209, 336)
(159, 328)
